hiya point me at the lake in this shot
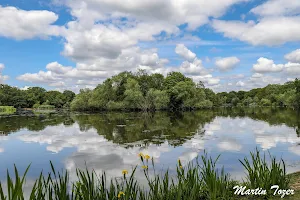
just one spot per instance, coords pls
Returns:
(111, 142)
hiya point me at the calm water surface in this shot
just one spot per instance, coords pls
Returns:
(110, 142)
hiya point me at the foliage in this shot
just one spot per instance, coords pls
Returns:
(81, 102)
(33, 97)
(202, 180)
(141, 91)
(204, 104)
(150, 92)
(133, 95)
(216, 185)
(36, 106)
(157, 99)
(45, 107)
(7, 110)
(262, 175)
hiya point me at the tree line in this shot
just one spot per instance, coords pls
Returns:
(34, 97)
(142, 91)
(149, 92)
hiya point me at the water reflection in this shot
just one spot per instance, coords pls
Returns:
(111, 141)
(128, 128)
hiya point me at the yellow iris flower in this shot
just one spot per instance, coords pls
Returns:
(141, 155)
(145, 167)
(147, 157)
(124, 172)
(120, 193)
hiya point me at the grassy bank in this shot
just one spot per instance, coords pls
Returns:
(197, 180)
(7, 110)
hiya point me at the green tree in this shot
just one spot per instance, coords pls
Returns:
(265, 102)
(80, 102)
(297, 86)
(35, 95)
(118, 84)
(55, 98)
(69, 95)
(247, 101)
(172, 79)
(160, 98)
(133, 95)
(101, 95)
(157, 81)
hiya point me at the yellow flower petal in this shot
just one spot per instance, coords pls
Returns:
(141, 155)
(147, 157)
(124, 172)
(121, 193)
(145, 167)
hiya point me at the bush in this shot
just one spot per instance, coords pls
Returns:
(204, 104)
(6, 110)
(112, 105)
(46, 107)
(265, 102)
(36, 106)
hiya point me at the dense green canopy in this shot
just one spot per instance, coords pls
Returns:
(142, 91)
(34, 97)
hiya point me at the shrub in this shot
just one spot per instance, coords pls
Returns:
(112, 105)
(36, 106)
(265, 102)
(204, 104)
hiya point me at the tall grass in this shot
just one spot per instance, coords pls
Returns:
(261, 174)
(216, 185)
(195, 181)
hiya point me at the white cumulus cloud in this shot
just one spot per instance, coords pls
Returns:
(265, 65)
(21, 24)
(240, 84)
(277, 7)
(192, 68)
(293, 56)
(275, 30)
(292, 68)
(227, 63)
(185, 52)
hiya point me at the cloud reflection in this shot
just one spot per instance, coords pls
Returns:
(229, 145)
(223, 135)
(93, 150)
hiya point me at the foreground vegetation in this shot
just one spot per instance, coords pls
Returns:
(142, 91)
(198, 180)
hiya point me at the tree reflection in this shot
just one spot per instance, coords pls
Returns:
(141, 129)
(13, 124)
(127, 128)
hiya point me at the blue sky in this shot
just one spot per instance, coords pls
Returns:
(229, 45)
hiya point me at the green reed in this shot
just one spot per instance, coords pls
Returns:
(217, 184)
(260, 174)
(197, 180)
